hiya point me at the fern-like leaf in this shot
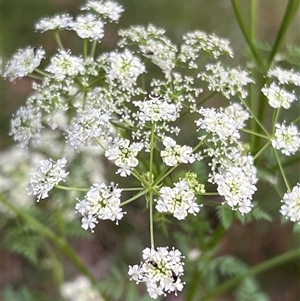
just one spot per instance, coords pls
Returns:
(226, 216)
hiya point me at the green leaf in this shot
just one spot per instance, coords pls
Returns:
(24, 242)
(259, 214)
(226, 215)
(248, 290)
(231, 266)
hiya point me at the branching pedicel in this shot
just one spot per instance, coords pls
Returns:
(98, 100)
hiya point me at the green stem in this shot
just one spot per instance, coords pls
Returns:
(291, 10)
(261, 150)
(60, 242)
(151, 151)
(282, 172)
(262, 267)
(151, 220)
(93, 48)
(254, 133)
(58, 41)
(99, 143)
(135, 197)
(70, 188)
(247, 37)
(85, 48)
(253, 6)
(152, 142)
(253, 116)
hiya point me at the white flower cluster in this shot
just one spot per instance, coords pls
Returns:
(224, 124)
(291, 204)
(89, 27)
(23, 62)
(47, 174)
(174, 154)
(154, 111)
(64, 65)
(161, 271)
(179, 200)
(57, 22)
(278, 97)
(92, 123)
(286, 139)
(285, 76)
(105, 9)
(100, 202)
(122, 67)
(124, 155)
(79, 289)
(229, 82)
(198, 41)
(153, 44)
(182, 90)
(26, 125)
(236, 179)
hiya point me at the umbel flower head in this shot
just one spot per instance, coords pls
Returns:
(286, 139)
(47, 174)
(179, 200)
(101, 202)
(291, 204)
(161, 271)
(23, 62)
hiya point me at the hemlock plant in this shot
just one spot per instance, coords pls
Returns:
(101, 101)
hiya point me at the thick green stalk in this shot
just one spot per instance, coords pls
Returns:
(291, 10)
(262, 267)
(246, 35)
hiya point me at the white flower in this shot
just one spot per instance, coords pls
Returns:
(80, 289)
(61, 21)
(91, 123)
(136, 273)
(286, 139)
(225, 124)
(124, 67)
(285, 76)
(65, 65)
(236, 188)
(291, 204)
(161, 54)
(229, 82)
(89, 27)
(161, 271)
(278, 97)
(89, 222)
(155, 110)
(45, 176)
(235, 176)
(174, 154)
(100, 202)
(153, 45)
(106, 9)
(124, 155)
(23, 62)
(179, 200)
(197, 42)
(26, 125)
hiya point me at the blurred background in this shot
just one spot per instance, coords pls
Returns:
(111, 247)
